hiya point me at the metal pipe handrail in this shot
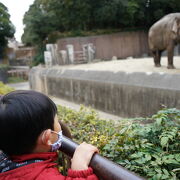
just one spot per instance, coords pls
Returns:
(102, 167)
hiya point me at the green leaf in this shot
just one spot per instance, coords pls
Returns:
(165, 171)
(159, 121)
(147, 157)
(164, 141)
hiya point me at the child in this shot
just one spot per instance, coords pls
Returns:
(30, 136)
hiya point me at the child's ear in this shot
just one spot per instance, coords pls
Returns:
(45, 137)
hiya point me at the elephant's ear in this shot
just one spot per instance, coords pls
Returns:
(176, 25)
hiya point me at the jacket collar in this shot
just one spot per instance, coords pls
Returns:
(10, 163)
(43, 156)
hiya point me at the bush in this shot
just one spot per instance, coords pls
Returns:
(38, 59)
(5, 89)
(4, 67)
(152, 150)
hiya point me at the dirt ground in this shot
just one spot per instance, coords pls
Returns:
(129, 65)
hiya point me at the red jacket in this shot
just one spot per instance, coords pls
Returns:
(43, 170)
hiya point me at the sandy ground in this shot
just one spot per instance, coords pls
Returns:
(128, 65)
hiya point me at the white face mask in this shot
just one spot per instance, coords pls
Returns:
(57, 144)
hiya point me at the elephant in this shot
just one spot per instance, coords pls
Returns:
(164, 35)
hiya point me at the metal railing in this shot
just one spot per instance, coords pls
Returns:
(102, 167)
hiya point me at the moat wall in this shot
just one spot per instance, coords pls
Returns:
(120, 93)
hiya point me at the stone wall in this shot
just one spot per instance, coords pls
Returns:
(120, 93)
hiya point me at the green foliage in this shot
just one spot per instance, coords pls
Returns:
(48, 16)
(52, 38)
(5, 89)
(4, 67)
(39, 57)
(15, 80)
(7, 29)
(151, 150)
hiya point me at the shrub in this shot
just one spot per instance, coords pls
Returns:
(152, 150)
(4, 88)
(4, 67)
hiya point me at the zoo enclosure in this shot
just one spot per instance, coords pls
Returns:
(121, 45)
(104, 47)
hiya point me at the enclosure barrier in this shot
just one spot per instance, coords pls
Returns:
(102, 167)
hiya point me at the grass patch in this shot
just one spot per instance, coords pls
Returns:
(15, 80)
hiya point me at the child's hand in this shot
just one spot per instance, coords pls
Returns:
(82, 156)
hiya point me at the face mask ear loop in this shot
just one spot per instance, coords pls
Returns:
(57, 144)
(54, 132)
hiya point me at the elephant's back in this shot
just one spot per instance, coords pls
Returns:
(164, 24)
(159, 33)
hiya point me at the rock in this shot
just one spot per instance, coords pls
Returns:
(114, 58)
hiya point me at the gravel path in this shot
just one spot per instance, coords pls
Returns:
(20, 86)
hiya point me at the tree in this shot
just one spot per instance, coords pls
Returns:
(37, 25)
(7, 29)
(47, 19)
(158, 8)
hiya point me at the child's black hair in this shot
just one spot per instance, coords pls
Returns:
(23, 117)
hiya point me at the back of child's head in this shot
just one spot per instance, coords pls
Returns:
(23, 117)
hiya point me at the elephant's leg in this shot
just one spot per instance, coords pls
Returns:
(157, 58)
(170, 51)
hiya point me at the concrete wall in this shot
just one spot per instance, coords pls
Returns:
(122, 45)
(120, 93)
(3, 75)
